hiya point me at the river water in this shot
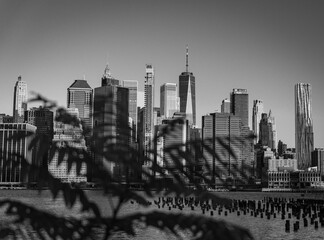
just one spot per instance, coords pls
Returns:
(261, 228)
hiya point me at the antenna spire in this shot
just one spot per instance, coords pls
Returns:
(187, 58)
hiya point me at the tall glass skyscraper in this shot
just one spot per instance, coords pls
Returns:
(169, 101)
(20, 101)
(187, 93)
(240, 105)
(149, 107)
(80, 96)
(132, 86)
(110, 122)
(304, 137)
(256, 118)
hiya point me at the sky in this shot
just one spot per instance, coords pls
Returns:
(265, 47)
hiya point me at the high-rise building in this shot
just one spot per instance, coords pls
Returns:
(187, 93)
(240, 105)
(108, 79)
(13, 149)
(304, 137)
(68, 136)
(282, 148)
(318, 160)
(43, 119)
(178, 137)
(169, 101)
(226, 106)
(148, 110)
(111, 121)
(20, 101)
(80, 96)
(267, 131)
(273, 130)
(132, 86)
(220, 132)
(264, 130)
(256, 118)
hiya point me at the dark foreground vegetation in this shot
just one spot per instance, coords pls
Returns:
(50, 226)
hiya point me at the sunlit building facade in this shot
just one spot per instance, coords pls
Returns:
(169, 101)
(80, 96)
(256, 118)
(11, 148)
(304, 137)
(149, 84)
(132, 86)
(226, 106)
(20, 101)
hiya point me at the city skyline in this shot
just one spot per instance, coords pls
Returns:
(265, 48)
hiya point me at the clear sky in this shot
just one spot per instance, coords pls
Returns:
(264, 46)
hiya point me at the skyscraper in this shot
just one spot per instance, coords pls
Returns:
(111, 123)
(43, 119)
(108, 79)
(80, 96)
(20, 101)
(187, 93)
(273, 130)
(132, 86)
(240, 105)
(178, 137)
(68, 136)
(148, 108)
(256, 118)
(264, 130)
(13, 149)
(318, 160)
(169, 101)
(220, 130)
(304, 137)
(226, 106)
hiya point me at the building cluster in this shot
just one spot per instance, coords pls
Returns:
(224, 150)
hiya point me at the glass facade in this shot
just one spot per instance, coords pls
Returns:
(304, 137)
(80, 95)
(240, 105)
(187, 94)
(11, 148)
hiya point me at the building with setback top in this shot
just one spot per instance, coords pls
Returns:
(20, 101)
(304, 136)
(80, 96)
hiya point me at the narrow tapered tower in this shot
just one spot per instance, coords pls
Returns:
(187, 92)
(20, 101)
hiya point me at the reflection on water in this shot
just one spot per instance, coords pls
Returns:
(261, 228)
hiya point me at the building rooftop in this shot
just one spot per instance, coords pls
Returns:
(80, 84)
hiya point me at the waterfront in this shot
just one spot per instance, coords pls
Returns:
(261, 228)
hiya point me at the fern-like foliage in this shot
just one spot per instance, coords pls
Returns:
(119, 191)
